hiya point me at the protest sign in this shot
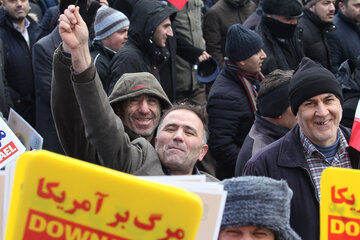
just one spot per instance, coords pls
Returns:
(58, 197)
(340, 204)
(10, 146)
(27, 135)
(212, 195)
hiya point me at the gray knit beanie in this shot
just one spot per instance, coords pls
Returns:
(242, 43)
(259, 201)
(108, 21)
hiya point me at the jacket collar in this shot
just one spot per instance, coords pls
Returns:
(292, 151)
(323, 26)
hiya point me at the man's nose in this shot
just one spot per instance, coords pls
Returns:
(179, 135)
(321, 110)
(263, 54)
(144, 107)
(170, 32)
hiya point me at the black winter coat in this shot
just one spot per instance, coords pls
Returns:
(5, 99)
(140, 54)
(315, 42)
(344, 41)
(102, 58)
(275, 57)
(230, 119)
(42, 55)
(18, 66)
(284, 159)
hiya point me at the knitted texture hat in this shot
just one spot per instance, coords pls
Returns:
(136, 84)
(242, 43)
(108, 21)
(289, 8)
(258, 201)
(311, 79)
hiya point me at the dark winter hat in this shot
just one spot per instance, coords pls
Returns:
(136, 84)
(288, 8)
(274, 103)
(242, 43)
(206, 71)
(311, 79)
(258, 201)
(309, 3)
(108, 21)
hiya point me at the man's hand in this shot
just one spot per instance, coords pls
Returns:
(204, 56)
(74, 33)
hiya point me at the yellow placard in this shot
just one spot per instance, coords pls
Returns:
(340, 204)
(57, 197)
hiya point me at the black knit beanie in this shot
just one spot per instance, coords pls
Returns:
(311, 79)
(242, 43)
(290, 8)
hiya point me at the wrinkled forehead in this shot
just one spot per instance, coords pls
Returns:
(183, 118)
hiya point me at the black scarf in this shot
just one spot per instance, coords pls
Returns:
(279, 29)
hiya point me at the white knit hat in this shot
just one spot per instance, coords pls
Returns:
(108, 21)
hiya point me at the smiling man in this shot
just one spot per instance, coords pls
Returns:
(181, 138)
(316, 23)
(316, 143)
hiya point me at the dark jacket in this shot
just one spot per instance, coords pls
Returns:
(5, 99)
(285, 159)
(140, 54)
(42, 55)
(230, 119)
(315, 42)
(102, 58)
(344, 41)
(273, 49)
(217, 21)
(348, 76)
(18, 66)
(261, 134)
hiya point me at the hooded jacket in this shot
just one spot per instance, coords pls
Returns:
(67, 116)
(140, 54)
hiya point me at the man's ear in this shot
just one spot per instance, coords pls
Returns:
(242, 63)
(203, 151)
(341, 6)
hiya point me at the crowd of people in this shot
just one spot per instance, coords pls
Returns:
(113, 83)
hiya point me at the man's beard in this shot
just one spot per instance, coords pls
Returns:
(15, 19)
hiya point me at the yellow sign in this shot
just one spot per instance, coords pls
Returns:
(57, 197)
(340, 204)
